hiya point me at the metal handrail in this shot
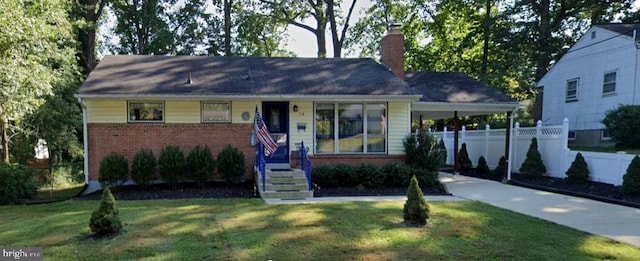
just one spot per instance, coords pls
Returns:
(305, 164)
(260, 162)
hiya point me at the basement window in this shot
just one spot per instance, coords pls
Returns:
(146, 111)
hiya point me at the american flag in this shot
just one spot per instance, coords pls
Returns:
(263, 135)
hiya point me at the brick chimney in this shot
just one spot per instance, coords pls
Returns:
(393, 50)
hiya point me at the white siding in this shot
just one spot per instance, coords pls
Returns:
(182, 111)
(106, 111)
(303, 116)
(589, 59)
(399, 115)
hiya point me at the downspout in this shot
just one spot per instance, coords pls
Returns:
(85, 140)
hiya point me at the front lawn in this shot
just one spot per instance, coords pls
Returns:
(247, 229)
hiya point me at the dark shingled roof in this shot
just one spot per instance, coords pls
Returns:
(453, 87)
(626, 29)
(201, 75)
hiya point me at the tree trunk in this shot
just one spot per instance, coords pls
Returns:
(5, 141)
(487, 34)
(227, 27)
(544, 41)
(338, 40)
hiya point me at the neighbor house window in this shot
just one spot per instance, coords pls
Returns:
(146, 111)
(609, 84)
(572, 90)
(216, 112)
(605, 135)
(572, 135)
(351, 127)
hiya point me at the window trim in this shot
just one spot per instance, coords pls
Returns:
(604, 77)
(202, 103)
(603, 136)
(573, 98)
(129, 120)
(571, 135)
(365, 133)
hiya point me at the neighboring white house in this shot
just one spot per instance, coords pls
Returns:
(596, 75)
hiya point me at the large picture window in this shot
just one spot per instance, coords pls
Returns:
(216, 112)
(350, 127)
(146, 111)
(572, 90)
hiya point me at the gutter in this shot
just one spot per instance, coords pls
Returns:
(253, 97)
(85, 140)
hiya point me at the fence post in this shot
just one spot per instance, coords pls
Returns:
(538, 130)
(446, 144)
(487, 131)
(565, 134)
(463, 136)
(516, 135)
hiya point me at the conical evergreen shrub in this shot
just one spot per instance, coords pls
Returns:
(482, 168)
(463, 158)
(631, 180)
(416, 210)
(533, 164)
(443, 152)
(578, 171)
(105, 219)
(498, 172)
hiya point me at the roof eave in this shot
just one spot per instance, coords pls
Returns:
(264, 97)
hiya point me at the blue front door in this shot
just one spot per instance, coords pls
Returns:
(276, 117)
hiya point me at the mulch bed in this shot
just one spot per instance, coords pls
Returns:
(591, 189)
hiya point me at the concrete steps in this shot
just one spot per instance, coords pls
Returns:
(283, 183)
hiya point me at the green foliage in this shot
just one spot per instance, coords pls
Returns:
(231, 165)
(623, 124)
(482, 167)
(416, 209)
(631, 179)
(143, 167)
(16, 184)
(533, 164)
(443, 152)
(370, 176)
(578, 171)
(67, 173)
(105, 219)
(201, 164)
(498, 172)
(114, 169)
(463, 158)
(171, 164)
(398, 175)
(421, 150)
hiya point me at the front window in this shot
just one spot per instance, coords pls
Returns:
(572, 90)
(146, 111)
(216, 112)
(351, 127)
(609, 84)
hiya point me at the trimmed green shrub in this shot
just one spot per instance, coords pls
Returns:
(533, 164)
(631, 179)
(171, 164)
(442, 149)
(482, 167)
(463, 158)
(370, 176)
(323, 176)
(578, 171)
(143, 167)
(421, 150)
(416, 209)
(114, 170)
(426, 178)
(397, 175)
(16, 184)
(623, 124)
(498, 172)
(345, 175)
(105, 219)
(201, 164)
(231, 165)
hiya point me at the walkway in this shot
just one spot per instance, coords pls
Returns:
(616, 222)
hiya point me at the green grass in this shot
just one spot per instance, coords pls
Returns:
(247, 229)
(46, 193)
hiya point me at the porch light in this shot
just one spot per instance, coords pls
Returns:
(295, 108)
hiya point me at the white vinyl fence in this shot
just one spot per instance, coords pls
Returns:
(552, 145)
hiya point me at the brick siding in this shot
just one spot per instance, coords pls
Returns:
(127, 139)
(353, 159)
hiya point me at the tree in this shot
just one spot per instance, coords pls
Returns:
(323, 12)
(87, 13)
(35, 53)
(622, 124)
